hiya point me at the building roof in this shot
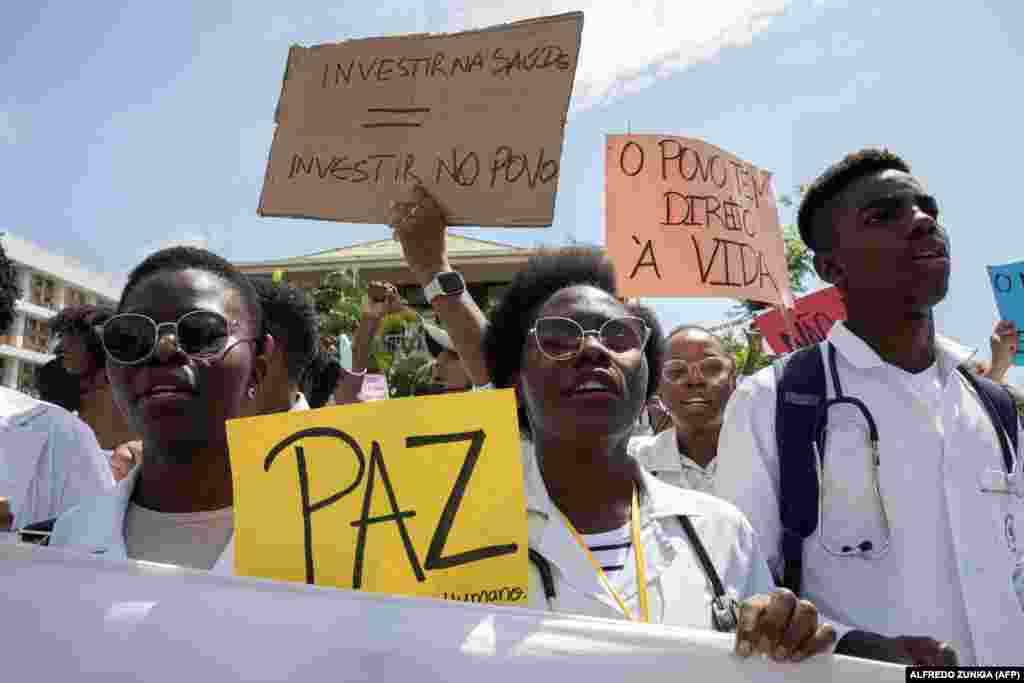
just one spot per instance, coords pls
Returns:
(26, 253)
(390, 251)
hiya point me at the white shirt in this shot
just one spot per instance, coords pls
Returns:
(677, 588)
(98, 525)
(49, 459)
(660, 455)
(187, 539)
(948, 572)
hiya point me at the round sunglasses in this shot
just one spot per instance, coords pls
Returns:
(132, 338)
(562, 338)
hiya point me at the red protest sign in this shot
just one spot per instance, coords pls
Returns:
(814, 316)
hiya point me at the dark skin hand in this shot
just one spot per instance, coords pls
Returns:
(781, 627)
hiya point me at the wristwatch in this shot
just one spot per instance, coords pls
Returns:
(447, 283)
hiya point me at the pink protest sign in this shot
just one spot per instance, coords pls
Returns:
(687, 219)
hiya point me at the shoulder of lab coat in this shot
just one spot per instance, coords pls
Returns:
(50, 460)
(96, 526)
(748, 463)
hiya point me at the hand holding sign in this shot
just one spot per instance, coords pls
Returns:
(419, 225)
(415, 496)
(1008, 287)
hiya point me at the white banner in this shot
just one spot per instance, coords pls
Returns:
(73, 618)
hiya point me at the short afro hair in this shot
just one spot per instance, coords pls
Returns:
(548, 272)
(9, 291)
(683, 329)
(290, 317)
(57, 386)
(177, 259)
(321, 379)
(82, 321)
(832, 182)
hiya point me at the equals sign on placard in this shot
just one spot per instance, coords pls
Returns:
(399, 113)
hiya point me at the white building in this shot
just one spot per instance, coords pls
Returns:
(48, 283)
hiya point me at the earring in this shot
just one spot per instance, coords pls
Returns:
(251, 393)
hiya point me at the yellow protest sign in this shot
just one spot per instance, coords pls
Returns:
(412, 496)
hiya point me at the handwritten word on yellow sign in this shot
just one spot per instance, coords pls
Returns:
(414, 496)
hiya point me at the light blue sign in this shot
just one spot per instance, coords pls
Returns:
(1008, 286)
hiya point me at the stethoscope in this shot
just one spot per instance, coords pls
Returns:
(866, 548)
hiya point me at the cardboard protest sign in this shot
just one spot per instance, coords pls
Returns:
(685, 218)
(814, 316)
(477, 117)
(1008, 287)
(414, 496)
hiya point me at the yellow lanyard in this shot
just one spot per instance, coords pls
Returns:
(638, 555)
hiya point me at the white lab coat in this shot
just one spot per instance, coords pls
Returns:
(49, 459)
(659, 454)
(968, 541)
(678, 590)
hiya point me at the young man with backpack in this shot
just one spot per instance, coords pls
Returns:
(883, 479)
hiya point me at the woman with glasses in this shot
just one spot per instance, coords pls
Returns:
(696, 382)
(606, 538)
(185, 352)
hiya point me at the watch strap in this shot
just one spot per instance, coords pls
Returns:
(434, 290)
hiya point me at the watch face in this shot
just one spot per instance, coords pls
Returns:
(451, 283)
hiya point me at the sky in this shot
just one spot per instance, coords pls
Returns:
(124, 129)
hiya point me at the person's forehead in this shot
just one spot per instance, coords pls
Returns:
(584, 301)
(167, 295)
(694, 343)
(879, 185)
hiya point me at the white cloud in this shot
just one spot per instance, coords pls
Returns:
(628, 47)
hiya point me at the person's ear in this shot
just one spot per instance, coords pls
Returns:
(261, 365)
(830, 268)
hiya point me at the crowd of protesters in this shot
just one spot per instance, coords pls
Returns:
(662, 480)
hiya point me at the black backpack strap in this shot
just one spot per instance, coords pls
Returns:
(723, 608)
(1001, 409)
(800, 396)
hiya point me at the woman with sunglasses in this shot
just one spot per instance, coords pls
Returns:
(185, 353)
(606, 538)
(697, 380)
